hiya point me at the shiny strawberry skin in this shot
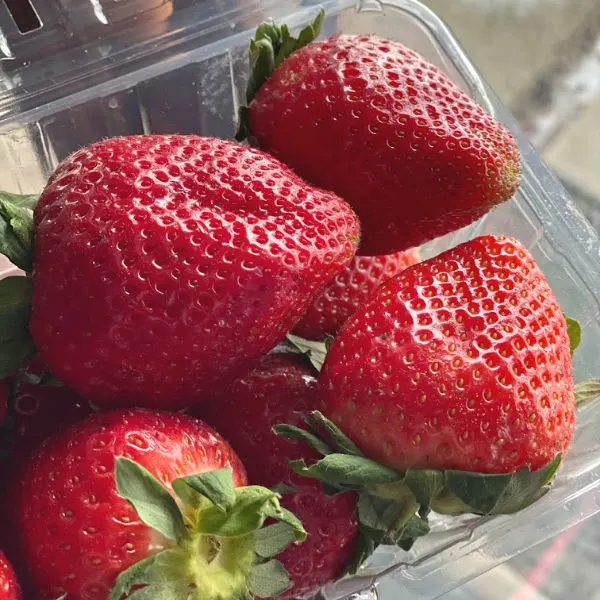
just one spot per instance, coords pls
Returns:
(460, 362)
(165, 263)
(9, 586)
(390, 133)
(75, 532)
(279, 390)
(343, 295)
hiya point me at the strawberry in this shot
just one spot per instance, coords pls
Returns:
(461, 362)
(377, 124)
(280, 389)
(454, 383)
(94, 508)
(163, 264)
(9, 586)
(342, 296)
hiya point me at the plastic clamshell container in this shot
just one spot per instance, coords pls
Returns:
(99, 68)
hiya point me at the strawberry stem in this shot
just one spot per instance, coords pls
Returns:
(271, 45)
(218, 546)
(394, 505)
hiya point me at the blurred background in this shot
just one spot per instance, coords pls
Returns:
(542, 57)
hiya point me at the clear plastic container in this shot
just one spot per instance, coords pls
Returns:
(98, 68)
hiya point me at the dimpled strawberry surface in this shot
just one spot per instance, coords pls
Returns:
(390, 133)
(460, 362)
(164, 263)
(76, 533)
(342, 296)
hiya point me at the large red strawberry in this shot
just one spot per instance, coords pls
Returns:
(280, 389)
(342, 296)
(163, 264)
(9, 586)
(461, 362)
(455, 384)
(98, 500)
(376, 123)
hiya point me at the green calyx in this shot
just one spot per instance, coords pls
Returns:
(393, 506)
(220, 546)
(271, 45)
(587, 391)
(45, 379)
(16, 243)
(574, 333)
(314, 351)
(16, 229)
(16, 345)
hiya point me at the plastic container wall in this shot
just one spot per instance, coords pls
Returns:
(176, 66)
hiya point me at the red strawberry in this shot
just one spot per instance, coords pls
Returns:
(78, 528)
(451, 390)
(164, 264)
(461, 362)
(9, 586)
(377, 124)
(279, 390)
(342, 296)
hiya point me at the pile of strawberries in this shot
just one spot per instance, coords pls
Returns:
(228, 375)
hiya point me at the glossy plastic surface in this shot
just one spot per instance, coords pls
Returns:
(180, 66)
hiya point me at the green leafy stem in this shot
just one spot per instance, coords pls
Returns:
(16, 228)
(16, 243)
(271, 45)
(393, 506)
(219, 546)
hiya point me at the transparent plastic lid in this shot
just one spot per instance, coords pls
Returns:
(98, 68)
